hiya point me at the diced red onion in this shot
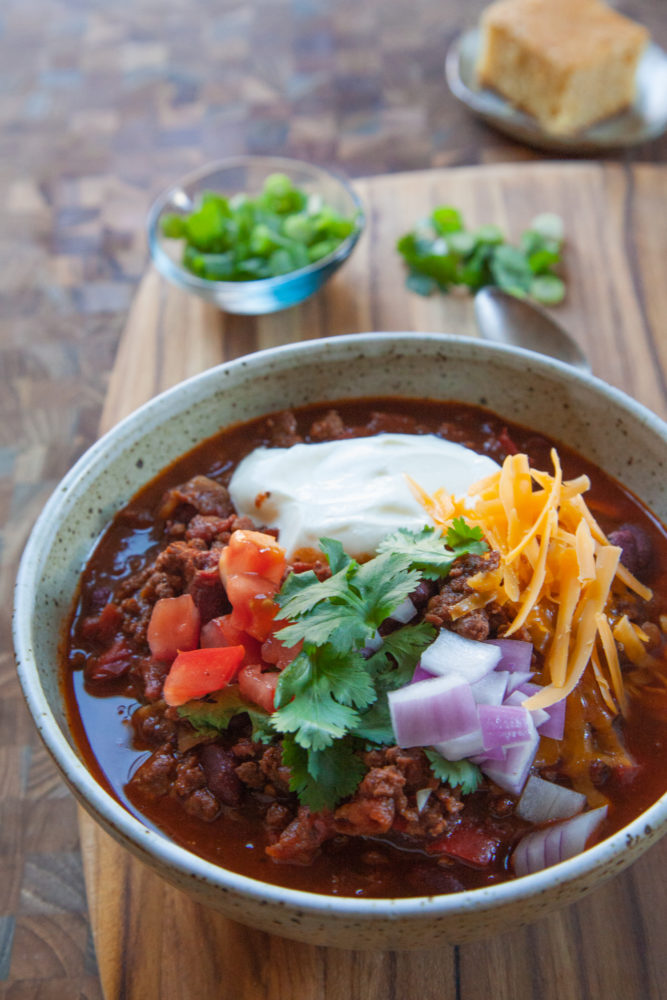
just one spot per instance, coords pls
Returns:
(460, 747)
(515, 653)
(422, 795)
(504, 725)
(428, 712)
(511, 773)
(421, 675)
(374, 643)
(405, 612)
(453, 653)
(516, 678)
(544, 801)
(543, 848)
(498, 753)
(554, 727)
(490, 689)
(539, 715)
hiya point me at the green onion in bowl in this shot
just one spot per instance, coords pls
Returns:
(245, 237)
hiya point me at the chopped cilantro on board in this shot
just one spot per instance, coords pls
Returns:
(440, 253)
(331, 701)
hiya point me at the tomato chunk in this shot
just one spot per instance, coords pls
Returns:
(222, 632)
(253, 552)
(174, 627)
(251, 568)
(257, 686)
(198, 672)
(469, 844)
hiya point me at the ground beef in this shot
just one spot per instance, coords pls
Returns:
(155, 776)
(330, 428)
(373, 807)
(454, 588)
(152, 726)
(283, 431)
(301, 840)
(276, 773)
(201, 495)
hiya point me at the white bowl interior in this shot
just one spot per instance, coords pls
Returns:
(604, 425)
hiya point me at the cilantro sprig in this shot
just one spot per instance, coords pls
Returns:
(440, 253)
(331, 701)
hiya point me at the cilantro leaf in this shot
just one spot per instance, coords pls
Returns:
(216, 712)
(348, 680)
(336, 623)
(426, 550)
(319, 778)
(336, 555)
(461, 773)
(393, 664)
(301, 592)
(375, 726)
(315, 717)
(461, 536)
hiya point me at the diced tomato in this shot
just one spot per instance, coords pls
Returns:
(253, 552)
(198, 672)
(251, 568)
(469, 844)
(258, 687)
(174, 627)
(222, 632)
(276, 652)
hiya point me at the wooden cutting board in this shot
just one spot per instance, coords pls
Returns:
(151, 940)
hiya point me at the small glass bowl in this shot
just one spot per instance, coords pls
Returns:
(246, 174)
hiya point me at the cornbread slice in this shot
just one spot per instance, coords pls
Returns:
(569, 63)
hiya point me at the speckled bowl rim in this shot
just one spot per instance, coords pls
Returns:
(153, 845)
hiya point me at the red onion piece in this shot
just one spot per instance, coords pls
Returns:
(405, 612)
(515, 653)
(554, 727)
(490, 689)
(516, 679)
(460, 747)
(543, 848)
(453, 653)
(511, 773)
(504, 725)
(498, 753)
(538, 715)
(421, 675)
(544, 801)
(428, 712)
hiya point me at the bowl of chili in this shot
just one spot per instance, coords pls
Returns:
(421, 845)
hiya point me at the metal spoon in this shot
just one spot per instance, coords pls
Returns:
(505, 319)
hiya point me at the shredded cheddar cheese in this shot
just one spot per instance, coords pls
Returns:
(556, 565)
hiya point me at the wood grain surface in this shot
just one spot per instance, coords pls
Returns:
(151, 940)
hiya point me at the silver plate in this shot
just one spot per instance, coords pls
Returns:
(645, 120)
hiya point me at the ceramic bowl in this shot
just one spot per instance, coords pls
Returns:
(600, 422)
(246, 174)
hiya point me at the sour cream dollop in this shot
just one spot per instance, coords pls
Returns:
(352, 490)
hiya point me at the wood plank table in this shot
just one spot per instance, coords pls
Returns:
(151, 940)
